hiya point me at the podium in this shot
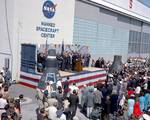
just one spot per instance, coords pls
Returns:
(78, 65)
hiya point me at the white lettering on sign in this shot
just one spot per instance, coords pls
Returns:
(49, 9)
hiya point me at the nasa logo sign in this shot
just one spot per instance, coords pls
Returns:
(49, 9)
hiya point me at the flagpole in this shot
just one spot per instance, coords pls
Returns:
(62, 47)
(46, 46)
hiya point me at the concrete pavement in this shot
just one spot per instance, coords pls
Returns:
(29, 107)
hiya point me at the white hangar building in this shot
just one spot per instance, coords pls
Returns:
(108, 27)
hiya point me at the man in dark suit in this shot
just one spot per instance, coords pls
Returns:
(74, 100)
(68, 64)
(74, 58)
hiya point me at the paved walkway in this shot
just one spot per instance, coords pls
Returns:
(29, 108)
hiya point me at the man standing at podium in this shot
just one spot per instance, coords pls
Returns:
(74, 58)
(88, 57)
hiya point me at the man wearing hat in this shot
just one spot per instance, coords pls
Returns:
(90, 101)
(110, 79)
(7, 76)
(1, 77)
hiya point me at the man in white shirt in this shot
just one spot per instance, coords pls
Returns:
(49, 88)
(145, 117)
(73, 87)
(1, 78)
(59, 84)
(3, 102)
(122, 101)
(137, 90)
(52, 111)
(145, 86)
(63, 117)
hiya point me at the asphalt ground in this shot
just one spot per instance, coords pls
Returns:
(29, 107)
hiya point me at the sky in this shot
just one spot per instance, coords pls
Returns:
(146, 2)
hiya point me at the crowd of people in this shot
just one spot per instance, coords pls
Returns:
(66, 61)
(59, 105)
(9, 107)
(100, 63)
(124, 96)
(5, 76)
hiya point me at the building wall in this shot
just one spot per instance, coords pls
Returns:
(146, 28)
(103, 40)
(107, 33)
(133, 8)
(6, 31)
(22, 18)
(95, 30)
(29, 19)
(139, 42)
(145, 42)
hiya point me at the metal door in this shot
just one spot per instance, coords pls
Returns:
(28, 58)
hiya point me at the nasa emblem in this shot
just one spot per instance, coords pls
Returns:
(49, 9)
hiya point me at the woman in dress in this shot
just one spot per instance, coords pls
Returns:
(142, 100)
(137, 111)
(131, 102)
(147, 99)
